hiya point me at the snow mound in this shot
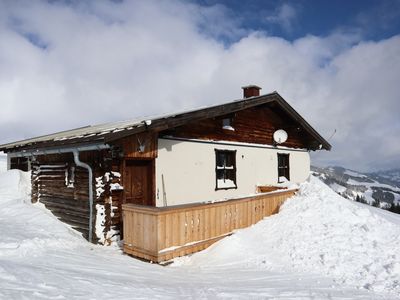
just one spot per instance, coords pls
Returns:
(14, 184)
(3, 162)
(15, 213)
(42, 258)
(316, 231)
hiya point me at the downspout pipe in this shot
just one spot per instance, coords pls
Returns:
(90, 171)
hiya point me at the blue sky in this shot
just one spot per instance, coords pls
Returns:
(67, 64)
(371, 19)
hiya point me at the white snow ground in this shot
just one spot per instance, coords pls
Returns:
(320, 246)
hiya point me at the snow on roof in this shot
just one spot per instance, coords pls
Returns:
(100, 129)
(80, 132)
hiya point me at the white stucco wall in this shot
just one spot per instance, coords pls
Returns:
(188, 168)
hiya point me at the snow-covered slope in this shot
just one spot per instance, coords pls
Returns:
(382, 186)
(312, 250)
(318, 231)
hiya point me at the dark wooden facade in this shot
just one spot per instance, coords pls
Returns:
(253, 125)
(130, 168)
(63, 188)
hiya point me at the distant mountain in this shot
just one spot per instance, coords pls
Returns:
(379, 188)
(391, 177)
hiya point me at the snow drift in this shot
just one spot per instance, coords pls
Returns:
(3, 162)
(14, 185)
(317, 231)
(292, 255)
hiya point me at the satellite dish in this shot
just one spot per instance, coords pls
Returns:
(280, 136)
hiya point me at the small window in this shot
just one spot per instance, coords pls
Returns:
(20, 163)
(227, 124)
(283, 167)
(70, 176)
(225, 169)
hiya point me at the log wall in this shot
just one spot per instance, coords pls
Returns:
(63, 188)
(160, 234)
(70, 201)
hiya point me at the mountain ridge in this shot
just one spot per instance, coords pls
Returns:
(381, 188)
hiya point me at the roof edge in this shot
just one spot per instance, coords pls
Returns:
(171, 121)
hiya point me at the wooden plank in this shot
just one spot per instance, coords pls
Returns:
(182, 228)
(175, 228)
(206, 223)
(212, 221)
(161, 242)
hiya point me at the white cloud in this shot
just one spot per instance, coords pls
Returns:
(107, 61)
(283, 16)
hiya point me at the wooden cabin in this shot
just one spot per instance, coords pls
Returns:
(164, 184)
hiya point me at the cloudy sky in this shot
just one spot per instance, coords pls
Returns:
(66, 64)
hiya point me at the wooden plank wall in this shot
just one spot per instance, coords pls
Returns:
(131, 144)
(71, 203)
(253, 125)
(160, 234)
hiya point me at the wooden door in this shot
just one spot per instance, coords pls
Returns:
(138, 182)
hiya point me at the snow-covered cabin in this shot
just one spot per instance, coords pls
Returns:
(210, 154)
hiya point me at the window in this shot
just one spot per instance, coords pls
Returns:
(227, 124)
(283, 167)
(20, 163)
(225, 169)
(70, 176)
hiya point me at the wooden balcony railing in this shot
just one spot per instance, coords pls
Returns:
(162, 233)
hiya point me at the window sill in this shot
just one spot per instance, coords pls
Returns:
(226, 188)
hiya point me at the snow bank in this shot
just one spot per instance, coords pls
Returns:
(25, 228)
(14, 184)
(317, 231)
(3, 162)
(42, 258)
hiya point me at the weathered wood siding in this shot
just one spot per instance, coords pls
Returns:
(131, 152)
(253, 125)
(70, 201)
(131, 145)
(160, 234)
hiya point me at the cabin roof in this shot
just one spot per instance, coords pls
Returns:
(108, 132)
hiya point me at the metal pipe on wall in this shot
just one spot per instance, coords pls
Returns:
(90, 171)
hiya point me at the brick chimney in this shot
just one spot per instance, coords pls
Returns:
(251, 91)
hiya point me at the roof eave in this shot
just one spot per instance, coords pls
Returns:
(294, 114)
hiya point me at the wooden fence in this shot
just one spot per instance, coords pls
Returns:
(162, 233)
